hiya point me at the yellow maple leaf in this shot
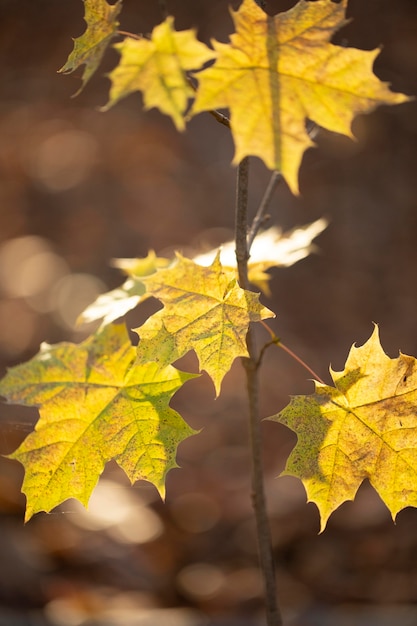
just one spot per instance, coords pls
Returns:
(95, 405)
(278, 71)
(90, 47)
(365, 427)
(157, 67)
(204, 310)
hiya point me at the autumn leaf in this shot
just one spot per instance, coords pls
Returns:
(95, 405)
(278, 71)
(270, 248)
(111, 305)
(365, 427)
(157, 67)
(204, 310)
(90, 47)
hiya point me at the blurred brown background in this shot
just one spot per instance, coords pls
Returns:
(79, 187)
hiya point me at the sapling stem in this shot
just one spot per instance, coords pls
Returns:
(241, 222)
(273, 614)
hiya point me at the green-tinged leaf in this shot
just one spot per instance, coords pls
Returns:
(157, 67)
(113, 304)
(89, 48)
(363, 427)
(96, 404)
(204, 310)
(278, 71)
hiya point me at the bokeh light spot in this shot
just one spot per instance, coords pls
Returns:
(200, 580)
(63, 160)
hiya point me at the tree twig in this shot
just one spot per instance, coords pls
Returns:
(241, 222)
(263, 207)
(251, 368)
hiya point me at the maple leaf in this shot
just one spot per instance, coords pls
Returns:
(90, 47)
(271, 248)
(113, 304)
(95, 405)
(363, 427)
(157, 67)
(278, 71)
(205, 310)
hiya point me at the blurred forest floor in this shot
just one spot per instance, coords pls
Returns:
(79, 187)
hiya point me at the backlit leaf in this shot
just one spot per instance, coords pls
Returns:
(278, 71)
(271, 248)
(95, 405)
(204, 310)
(113, 304)
(157, 67)
(365, 427)
(89, 48)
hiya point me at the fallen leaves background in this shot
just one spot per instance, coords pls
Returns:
(93, 186)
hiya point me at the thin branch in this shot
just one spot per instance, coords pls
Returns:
(241, 222)
(263, 207)
(265, 348)
(266, 558)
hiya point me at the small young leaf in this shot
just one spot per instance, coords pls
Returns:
(90, 47)
(157, 68)
(95, 405)
(363, 427)
(204, 310)
(279, 71)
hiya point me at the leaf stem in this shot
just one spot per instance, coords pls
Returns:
(300, 361)
(277, 342)
(220, 117)
(125, 33)
(266, 558)
(263, 207)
